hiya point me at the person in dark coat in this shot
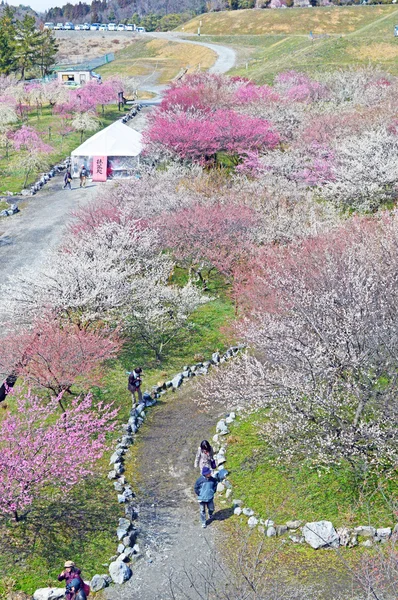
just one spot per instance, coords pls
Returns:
(134, 385)
(205, 488)
(67, 179)
(70, 573)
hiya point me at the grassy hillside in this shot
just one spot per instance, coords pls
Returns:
(332, 20)
(162, 58)
(343, 37)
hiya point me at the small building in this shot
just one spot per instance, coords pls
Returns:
(74, 75)
(112, 152)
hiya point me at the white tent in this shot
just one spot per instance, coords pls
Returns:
(118, 142)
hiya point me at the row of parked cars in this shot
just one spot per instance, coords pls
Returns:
(94, 27)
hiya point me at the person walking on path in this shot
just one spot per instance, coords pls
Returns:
(205, 456)
(134, 385)
(70, 573)
(83, 176)
(67, 179)
(205, 488)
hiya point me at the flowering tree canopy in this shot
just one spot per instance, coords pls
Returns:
(40, 453)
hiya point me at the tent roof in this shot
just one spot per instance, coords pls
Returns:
(115, 140)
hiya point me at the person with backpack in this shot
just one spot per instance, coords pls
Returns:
(205, 488)
(76, 589)
(134, 385)
(83, 176)
(205, 456)
(67, 179)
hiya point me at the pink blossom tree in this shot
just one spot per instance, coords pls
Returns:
(55, 356)
(39, 454)
(35, 152)
(204, 236)
(199, 137)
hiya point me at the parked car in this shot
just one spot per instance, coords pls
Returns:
(86, 26)
(49, 26)
(140, 29)
(59, 26)
(396, 30)
(103, 27)
(69, 26)
(94, 26)
(121, 27)
(79, 27)
(130, 27)
(112, 26)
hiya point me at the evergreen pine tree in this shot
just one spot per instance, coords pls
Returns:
(27, 44)
(7, 41)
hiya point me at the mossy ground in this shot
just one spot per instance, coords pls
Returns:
(298, 492)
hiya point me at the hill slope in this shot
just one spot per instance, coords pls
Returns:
(342, 37)
(320, 20)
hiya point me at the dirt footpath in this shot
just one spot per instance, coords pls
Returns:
(171, 538)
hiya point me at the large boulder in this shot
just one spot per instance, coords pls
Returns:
(49, 594)
(320, 534)
(119, 571)
(98, 583)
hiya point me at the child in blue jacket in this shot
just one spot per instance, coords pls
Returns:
(205, 488)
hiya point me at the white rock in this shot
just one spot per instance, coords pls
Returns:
(269, 523)
(98, 583)
(367, 544)
(229, 420)
(119, 571)
(252, 522)
(248, 512)
(215, 438)
(293, 524)
(365, 531)
(237, 511)
(237, 502)
(49, 593)
(220, 488)
(221, 427)
(320, 533)
(344, 536)
(271, 532)
(228, 493)
(383, 532)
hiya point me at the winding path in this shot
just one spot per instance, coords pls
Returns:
(171, 541)
(226, 57)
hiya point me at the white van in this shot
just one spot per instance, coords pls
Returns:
(49, 26)
(140, 29)
(112, 26)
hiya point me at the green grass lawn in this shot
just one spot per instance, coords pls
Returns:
(12, 176)
(297, 492)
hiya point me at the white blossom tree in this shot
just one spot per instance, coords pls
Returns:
(324, 330)
(83, 122)
(160, 314)
(365, 174)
